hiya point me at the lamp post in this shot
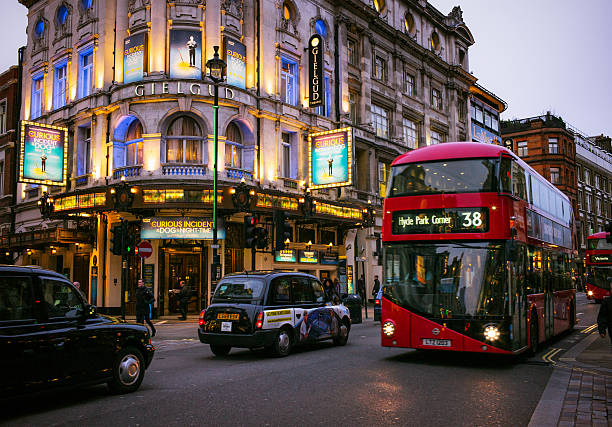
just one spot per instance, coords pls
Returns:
(215, 67)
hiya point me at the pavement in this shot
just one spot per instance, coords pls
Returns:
(579, 391)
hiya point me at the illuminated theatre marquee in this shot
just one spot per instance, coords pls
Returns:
(43, 151)
(180, 87)
(330, 159)
(180, 228)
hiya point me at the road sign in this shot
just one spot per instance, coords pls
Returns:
(145, 250)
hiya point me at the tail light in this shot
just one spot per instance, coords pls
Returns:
(259, 320)
(201, 321)
(376, 301)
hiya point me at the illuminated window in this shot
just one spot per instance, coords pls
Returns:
(62, 15)
(184, 142)
(325, 110)
(521, 148)
(409, 23)
(287, 12)
(379, 5)
(59, 85)
(288, 167)
(86, 4)
(351, 48)
(380, 120)
(85, 72)
(233, 147)
(133, 144)
(435, 42)
(1, 178)
(289, 81)
(83, 154)
(383, 172)
(380, 68)
(39, 29)
(37, 92)
(321, 28)
(411, 133)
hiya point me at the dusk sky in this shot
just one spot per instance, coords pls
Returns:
(537, 55)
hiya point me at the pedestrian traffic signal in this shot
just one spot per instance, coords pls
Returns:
(250, 231)
(608, 229)
(130, 243)
(283, 230)
(116, 239)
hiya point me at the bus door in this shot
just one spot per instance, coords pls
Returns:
(517, 279)
(549, 300)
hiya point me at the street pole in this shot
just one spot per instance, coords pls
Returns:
(216, 66)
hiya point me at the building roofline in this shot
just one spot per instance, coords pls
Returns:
(477, 89)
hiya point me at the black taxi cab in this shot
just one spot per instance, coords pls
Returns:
(273, 310)
(50, 337)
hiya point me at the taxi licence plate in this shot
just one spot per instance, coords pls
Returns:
(228, 316)
(226, 326)
(437, 343)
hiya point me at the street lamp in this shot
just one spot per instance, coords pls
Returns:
(215, 67)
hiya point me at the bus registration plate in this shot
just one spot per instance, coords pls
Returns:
(437, 343)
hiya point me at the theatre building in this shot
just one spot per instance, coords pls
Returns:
(118, 134)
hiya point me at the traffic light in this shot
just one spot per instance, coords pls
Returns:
(116, 239)
(369, 218)
(262, 238)
(608, 229)
(250, 231)
(130, 243)
(283, 230)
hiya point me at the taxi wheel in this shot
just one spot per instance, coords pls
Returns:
(220, 350)
(343, 333)
(282, 345)
(128, 371)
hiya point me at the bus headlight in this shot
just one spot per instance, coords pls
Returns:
(590, 293)
(491, 333)
(388, 329)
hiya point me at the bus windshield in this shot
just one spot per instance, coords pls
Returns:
(448, 279)
(598, 244)
(598, 276)
(448, 176)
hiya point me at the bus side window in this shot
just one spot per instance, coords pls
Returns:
(505, 171)
(518, 181)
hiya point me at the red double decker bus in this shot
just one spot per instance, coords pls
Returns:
(598, 262)
(477, 252)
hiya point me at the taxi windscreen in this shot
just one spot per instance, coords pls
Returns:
(243, 288)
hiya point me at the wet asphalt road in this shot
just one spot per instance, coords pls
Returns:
(359, 384)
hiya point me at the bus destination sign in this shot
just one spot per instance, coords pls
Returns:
(601, 258)
(441, 221)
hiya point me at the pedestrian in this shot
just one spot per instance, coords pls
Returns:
(376, 287)
(604, 318)
(144, 300)
(337, 285)
(330, 291)
(184, 295)
(361, 288)
(77, 285)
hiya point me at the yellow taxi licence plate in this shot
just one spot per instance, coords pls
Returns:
(228, 316)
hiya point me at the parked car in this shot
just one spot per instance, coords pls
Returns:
(273, 310)
(378, 305)
(50, 336)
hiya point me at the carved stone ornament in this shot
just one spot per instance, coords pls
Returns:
(233, 8)
(456, 15)
(186, 2)
(86, 15)
(134, 5)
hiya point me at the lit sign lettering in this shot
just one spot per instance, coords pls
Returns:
(315, 74)
(285, 255)
(180, 228)
(440, 221)
(601, 258)
(309, 257)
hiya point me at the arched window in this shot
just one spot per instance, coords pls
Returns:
(184, 142)
(86, 4)
(62, 15)
(435, 42)
(321, 28)
(127, 143)
(233, 147)
(409, 23)
(133, 144)
(287, 11)
(380, 6)
(39, 29)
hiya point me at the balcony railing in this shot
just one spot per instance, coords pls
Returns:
(127, 171)
(290, 183)
(184, 170)
(81, 181)
(238, 174)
